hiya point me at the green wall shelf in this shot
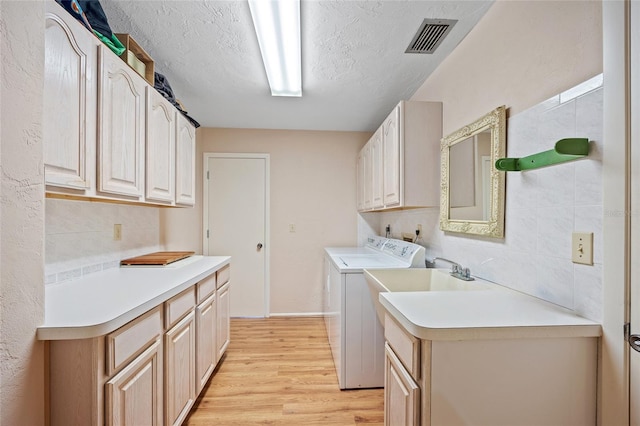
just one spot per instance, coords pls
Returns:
(565, 150)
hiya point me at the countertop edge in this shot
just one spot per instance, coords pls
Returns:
(61, 332)
(491, 333)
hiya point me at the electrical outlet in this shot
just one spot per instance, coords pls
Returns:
(117, 232)
(582, 248)
(292, 227)
(419, 228)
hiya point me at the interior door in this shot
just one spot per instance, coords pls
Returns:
(237, 198)
(634, 340)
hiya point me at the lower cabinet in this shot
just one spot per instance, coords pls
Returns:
(401, 393)
(498, 381)
(180, 381)
(223, 320)
(150, 370)
(134, 396)
(206, 345)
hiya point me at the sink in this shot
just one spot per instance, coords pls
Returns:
(416, 279)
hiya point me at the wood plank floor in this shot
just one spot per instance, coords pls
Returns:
(279, 371)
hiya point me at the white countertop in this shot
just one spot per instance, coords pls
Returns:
(474, 315)
(100, 303)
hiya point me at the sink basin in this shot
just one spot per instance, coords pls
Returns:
(416, 279)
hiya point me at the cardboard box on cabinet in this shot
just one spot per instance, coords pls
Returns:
(136, 57)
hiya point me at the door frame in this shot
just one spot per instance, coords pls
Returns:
(267, 232)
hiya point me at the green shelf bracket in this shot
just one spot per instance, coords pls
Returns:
(565, 150)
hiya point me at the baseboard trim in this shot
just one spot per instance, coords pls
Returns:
(298, 314)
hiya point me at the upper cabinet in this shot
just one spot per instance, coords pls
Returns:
(161, 148)
(377, 167)
(403, 159)
(121, 122)
(185, 162)
(116, 138)
(69, 132)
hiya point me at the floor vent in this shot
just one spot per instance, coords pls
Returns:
(430, 35)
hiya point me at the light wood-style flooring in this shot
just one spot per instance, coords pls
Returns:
(279, 371)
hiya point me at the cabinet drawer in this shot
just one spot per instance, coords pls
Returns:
(206, 287)
(178, 306)
(130, 340)
(223, 275)
(405, 346)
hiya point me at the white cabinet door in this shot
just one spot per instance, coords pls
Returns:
(185, 162)
(180, 374)
(377, 173)
(121, 120)
(161, 148)
(69, 119)
(134, 396)
(223, 327)
(368, 177)
(206, 349)
(360, 183)
(401, 394)
(392, 166)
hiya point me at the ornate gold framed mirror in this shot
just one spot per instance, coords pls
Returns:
(472, 189)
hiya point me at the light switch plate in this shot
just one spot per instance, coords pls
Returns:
(582, 248)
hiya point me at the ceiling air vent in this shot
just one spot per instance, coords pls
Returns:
(430, 35)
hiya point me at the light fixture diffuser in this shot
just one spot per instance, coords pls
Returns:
(277, 24)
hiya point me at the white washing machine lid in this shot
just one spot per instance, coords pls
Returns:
(378, 253)
(372, 261)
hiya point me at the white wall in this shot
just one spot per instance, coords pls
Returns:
(79, 236)
(21, 213)
(312, 186)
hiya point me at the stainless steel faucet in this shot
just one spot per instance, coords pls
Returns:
(457, 270)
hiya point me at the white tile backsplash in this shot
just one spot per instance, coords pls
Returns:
(79, 236)
(543, 208)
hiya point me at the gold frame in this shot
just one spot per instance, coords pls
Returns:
(494, 227)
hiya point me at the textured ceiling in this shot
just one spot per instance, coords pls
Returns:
(354, 67)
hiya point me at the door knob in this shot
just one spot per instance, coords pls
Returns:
(634, 342)
(259, 246)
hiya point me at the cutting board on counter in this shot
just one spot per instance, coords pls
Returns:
(158, 258)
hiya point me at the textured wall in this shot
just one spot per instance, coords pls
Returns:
(312, 186)
(21, 214)
(79, 236)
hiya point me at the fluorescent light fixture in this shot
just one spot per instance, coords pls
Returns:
(277, 24)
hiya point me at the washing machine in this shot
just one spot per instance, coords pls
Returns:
(354, 332)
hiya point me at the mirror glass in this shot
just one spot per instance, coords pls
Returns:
(472, 197)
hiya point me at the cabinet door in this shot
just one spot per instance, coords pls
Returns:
(180, 374)
(134, 396)
(206, 349)
(161, 148)
(185, 162)
(69, 118)
(401, 394)
(223, 319)
(377, 170)
(360, 180)
(121, 122)
(368, 177)
(391, 159)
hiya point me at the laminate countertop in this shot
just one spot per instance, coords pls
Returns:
(99, 303)
(479, 315)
